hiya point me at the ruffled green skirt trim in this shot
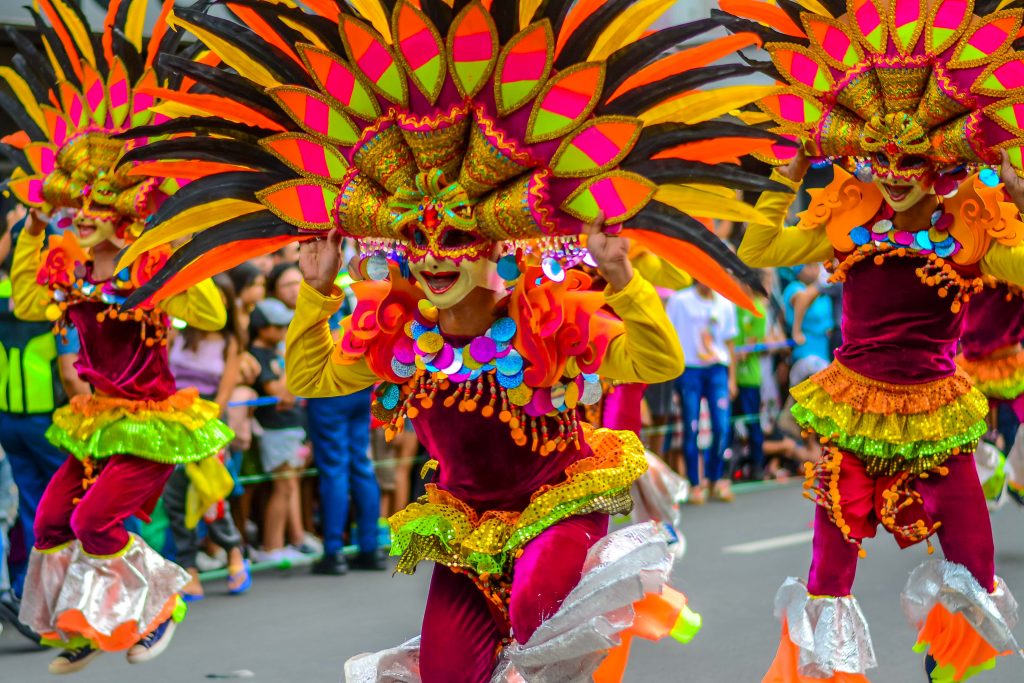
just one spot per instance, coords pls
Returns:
(182, 429)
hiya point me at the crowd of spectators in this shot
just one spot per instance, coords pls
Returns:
(312, 477)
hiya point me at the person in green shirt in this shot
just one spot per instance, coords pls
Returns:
(752, 330)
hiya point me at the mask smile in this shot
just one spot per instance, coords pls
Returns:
(439, 283)
(897, 193)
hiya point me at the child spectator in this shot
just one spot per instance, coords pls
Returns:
(809, 315)
(282, 443)
(208, 361)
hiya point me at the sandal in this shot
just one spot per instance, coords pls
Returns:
(240, 581)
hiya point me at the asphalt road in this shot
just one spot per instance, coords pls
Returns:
(295, 628)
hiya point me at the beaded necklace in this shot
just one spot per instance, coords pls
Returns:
(489, 375)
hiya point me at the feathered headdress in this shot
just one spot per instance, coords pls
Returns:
(72, 101)
(939, 79)
(519, 121)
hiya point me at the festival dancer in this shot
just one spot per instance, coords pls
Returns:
(92, 586)
(473, 143)
(991, 353)
(911, 96)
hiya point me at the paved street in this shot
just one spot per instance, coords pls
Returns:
(298, 628)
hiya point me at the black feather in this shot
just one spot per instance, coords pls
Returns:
(223, 150)
(268, 13)
(232, 185)
(671, 222)
(259, 225)
(270, 57)
(16, 157)
(555, 11)
(679, 171)
(506, 19)
(325, 29)
(763, 67)
(792, 10)
(12, 106)
(837, 8)
(200, 125)
(664, 136)
(439, 14)
(133, 62)
(635, 101)
(767, 35)
(230, 85)
(40, 91)
(58, 49)
(34, 59)
(629, 59)
(582, 40)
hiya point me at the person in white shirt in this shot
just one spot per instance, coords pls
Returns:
(705, 323)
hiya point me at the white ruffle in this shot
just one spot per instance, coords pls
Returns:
(831, 633)
(992, 615)
(134, 586)
(568, 647)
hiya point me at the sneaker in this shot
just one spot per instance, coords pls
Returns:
(70, 661)
(207, 563)
(372, 561)
(284, 557)
(10, 606)
(331, 565)
(153, 643)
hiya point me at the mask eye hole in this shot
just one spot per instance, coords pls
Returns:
(453, 239)
(882, 159)
(418, 237)
(913, 161)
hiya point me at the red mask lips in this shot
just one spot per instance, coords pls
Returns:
(439, 283)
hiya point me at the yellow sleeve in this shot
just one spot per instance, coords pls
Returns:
(773, 244)
(1004, 263)
(661, 273)
(30, 297)
(201, 306)
(309, 349)
(649, 350)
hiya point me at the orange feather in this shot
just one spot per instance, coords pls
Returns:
(577, 15)
(64, 37)
(159, 30)
(220, 259)
(190, 170)
(214, 105)
(325, 8)
(693, 58)
(108, 30)
(695, 262)
(765, 13)
(716, 151)
(263, 29)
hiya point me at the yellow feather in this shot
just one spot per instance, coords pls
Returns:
(309, 35)
(232, 56)
(190, 221)
(705, 105)
(712, 189)
(375, 14)
(629, 27)
(79, 32)
(527, 8)
(708, 205)
(59, 72)
(814, 6)
(134, 22)
(1003, 4)
(24, 95)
